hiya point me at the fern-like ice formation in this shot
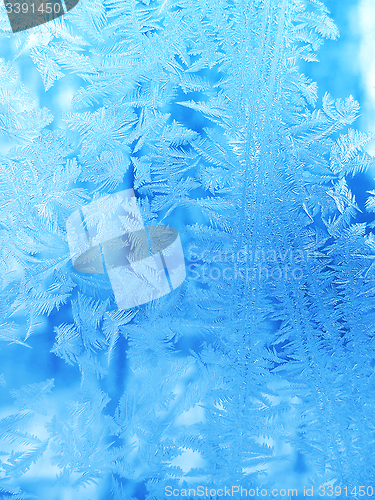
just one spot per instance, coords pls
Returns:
(258, 370)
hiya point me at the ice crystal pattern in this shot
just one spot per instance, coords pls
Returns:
(258, 369)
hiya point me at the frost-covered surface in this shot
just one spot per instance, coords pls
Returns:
(258, 370)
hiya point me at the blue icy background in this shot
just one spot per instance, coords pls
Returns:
(200, 106)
